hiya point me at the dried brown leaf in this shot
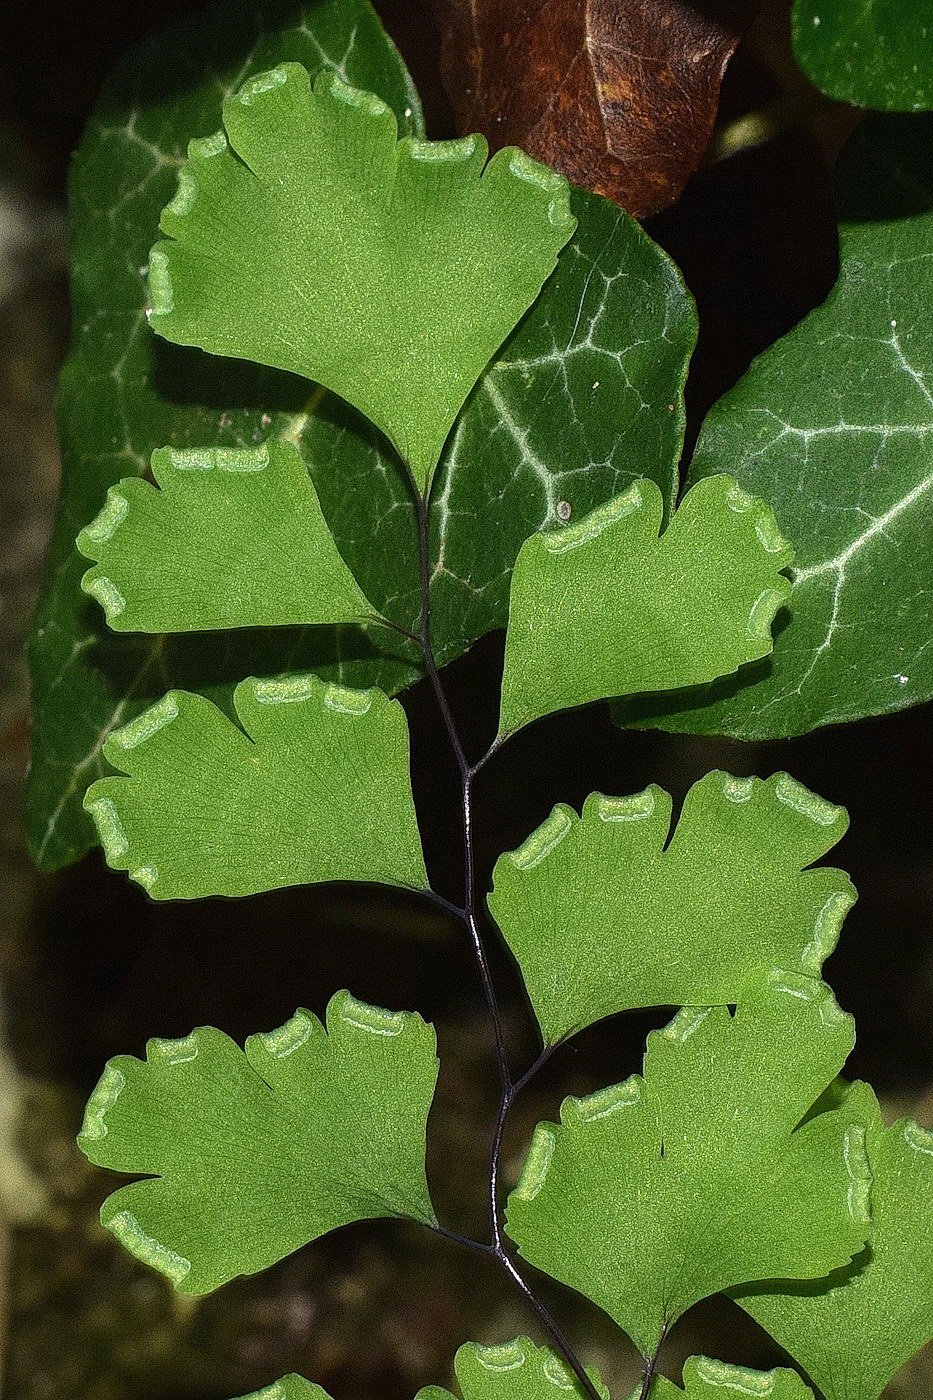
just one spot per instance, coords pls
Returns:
(619, 95)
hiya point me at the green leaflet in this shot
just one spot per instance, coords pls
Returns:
(124, 393)
(585, 396)
(234, 538)
(655, 1193)
(706, 1379)
(602, 918)
(874, 53)
(521, 1371)
(605, 607)
(254, 1154)
(853, 1331)
(316, 788)
(516, 1370)
(307, 238)
(289, 1388)
(834, 422)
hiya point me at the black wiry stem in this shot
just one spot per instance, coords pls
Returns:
(650, 1364)
(505, 1106)
(509, 1088)
(467, 773)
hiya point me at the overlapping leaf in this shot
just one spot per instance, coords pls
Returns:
(854, 1331)
(516, 1370)
(306, 237)
(705, 1379)
(835, 423)
(289, 1388)
(252, 1155)
(876, 53)
(655, 1193)
(605, 607)
(314, 787)
(585, 397)
(234, 538)
(521, 1371)
(603, 915)
(125, 393)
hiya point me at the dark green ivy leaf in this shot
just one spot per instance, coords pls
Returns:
(833, 425)
(874, 53)
(585, 398)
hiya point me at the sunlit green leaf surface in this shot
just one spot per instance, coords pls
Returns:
(289, 1388)
(233, 538)
(706, 1379)
(611, 911)
(655, 1193)
(521, 1371)
(854, 1331)
(516, 1370)
(608, 607)
(251, 1155)
(306, 237)
(314, 787)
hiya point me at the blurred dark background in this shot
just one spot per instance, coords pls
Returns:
(92, 968)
